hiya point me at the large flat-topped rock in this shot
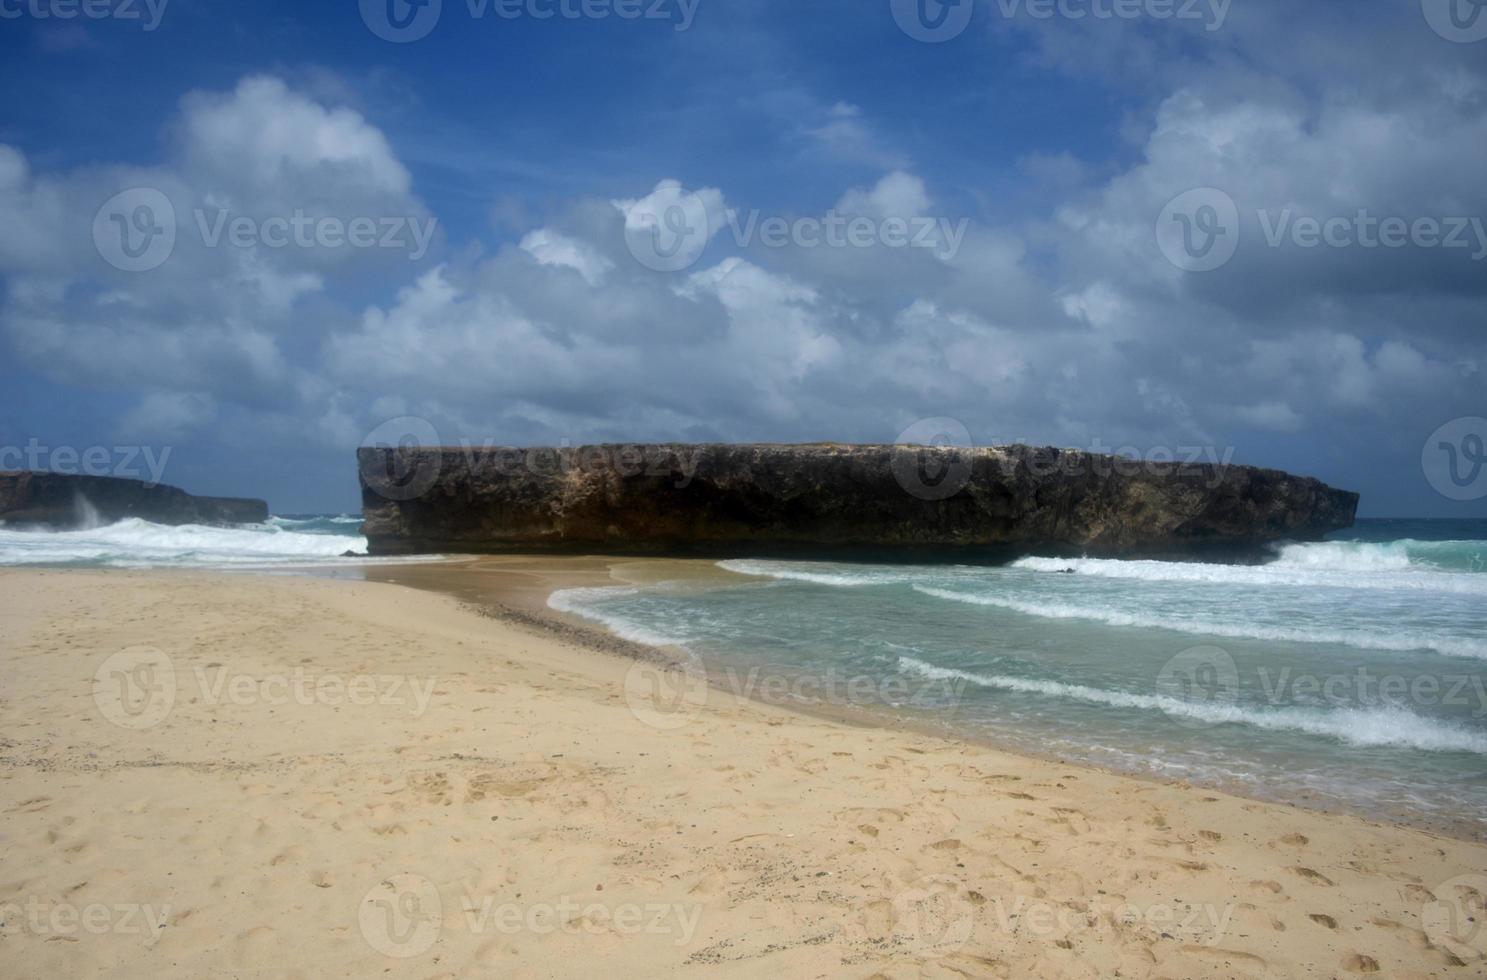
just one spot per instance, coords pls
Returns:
(827, 499)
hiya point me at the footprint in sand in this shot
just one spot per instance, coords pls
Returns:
(1315, 877)
(1358, 963)
(1323, 920)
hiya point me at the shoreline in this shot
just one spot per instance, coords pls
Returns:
(524, 780)
(518, 587)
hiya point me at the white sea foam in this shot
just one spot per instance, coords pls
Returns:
(134, 542)
(1386, 727)
(793, 572)
(1414, 565)
(1454, 646)
(586, 602)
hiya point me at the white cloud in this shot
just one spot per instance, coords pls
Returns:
(897, 195)
(551, 248)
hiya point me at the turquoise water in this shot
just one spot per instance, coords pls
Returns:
(1349, 673)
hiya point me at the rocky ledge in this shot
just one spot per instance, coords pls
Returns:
(61, 500)
(823, 500)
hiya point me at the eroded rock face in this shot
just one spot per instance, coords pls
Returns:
(967, 504)
(61, 500)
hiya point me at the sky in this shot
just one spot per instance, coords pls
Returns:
(239, 238)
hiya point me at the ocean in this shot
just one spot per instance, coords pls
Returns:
(289, 540)
(1347, 674)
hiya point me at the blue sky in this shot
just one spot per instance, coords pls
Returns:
(1035, 155)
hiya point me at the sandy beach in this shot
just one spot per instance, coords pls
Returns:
(238, 775)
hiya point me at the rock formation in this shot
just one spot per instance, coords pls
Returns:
(889, 501)
(61, 500)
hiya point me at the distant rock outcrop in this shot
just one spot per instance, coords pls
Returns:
(62, 500)
(970, 504)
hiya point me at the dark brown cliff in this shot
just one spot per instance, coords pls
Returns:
(62, 500)
(824, 499)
